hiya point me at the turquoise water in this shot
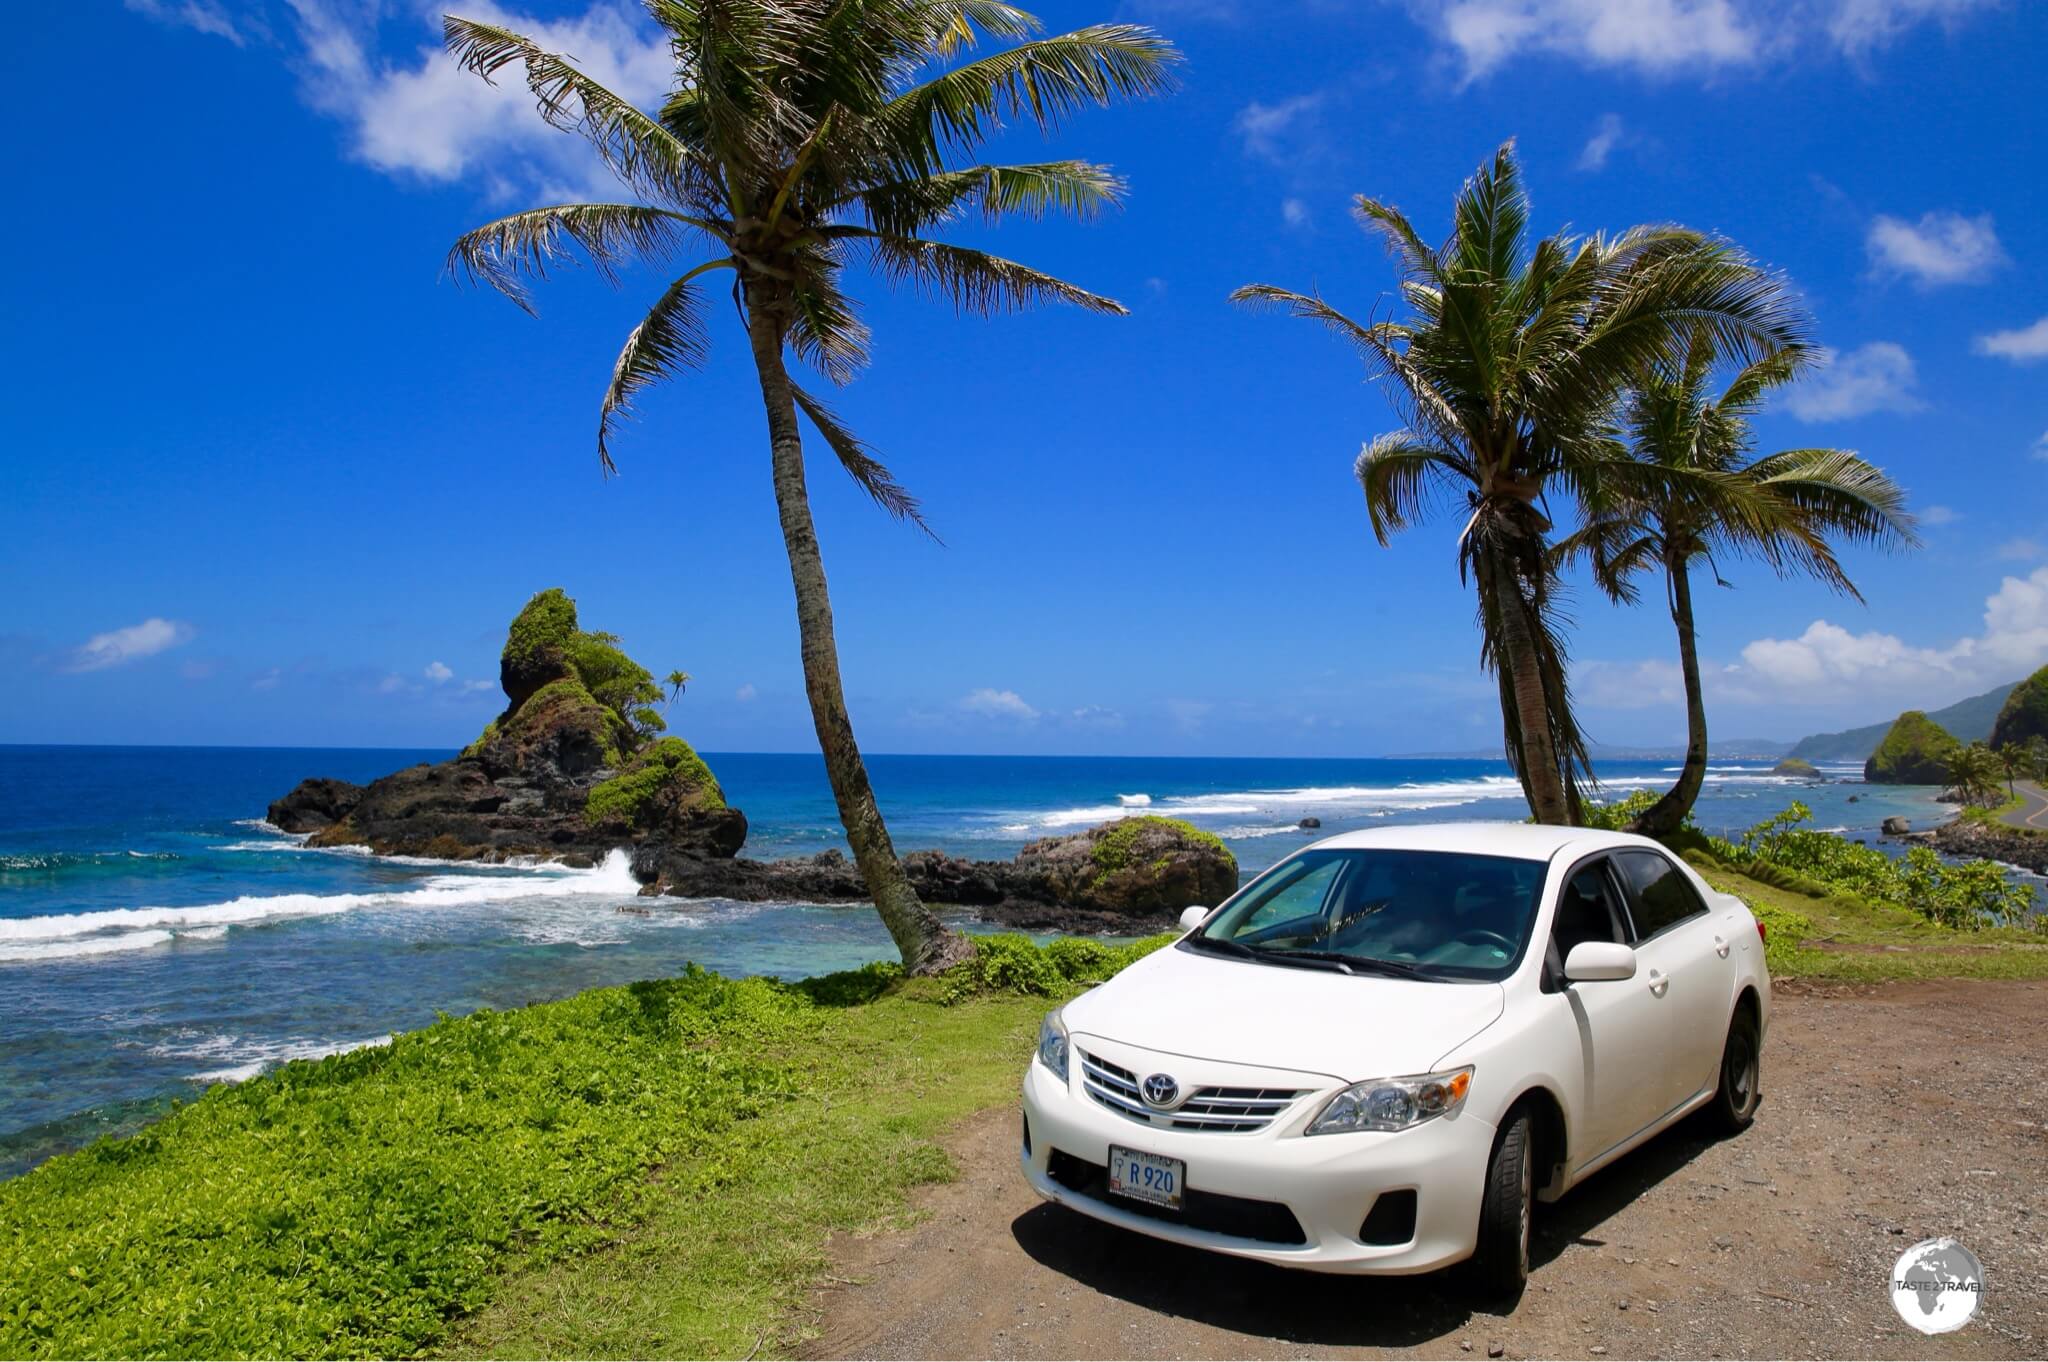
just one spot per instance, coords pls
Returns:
(156, 936)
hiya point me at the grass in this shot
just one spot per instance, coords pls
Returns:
(709, 1133)
(1817, 934)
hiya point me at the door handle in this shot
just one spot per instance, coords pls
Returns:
(1658, 983)
(1721, 946)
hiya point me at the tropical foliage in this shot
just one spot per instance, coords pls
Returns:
(1974, 773)
(1696, 498)
(1506, 369)
(803, 138)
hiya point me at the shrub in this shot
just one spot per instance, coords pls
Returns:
(1009, 962)
(1967, 895)
(670, 762)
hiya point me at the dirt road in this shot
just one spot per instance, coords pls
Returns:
(1891, 1115)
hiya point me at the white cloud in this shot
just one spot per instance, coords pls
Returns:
(1188, 715)
(998, 704)
(1859, 27)
(429, 119)
(2022, 346)
(268, 680)
(120, 646)
(439, 673)
(1871, 378)
(204, 16)
(1827, 662)
(1264, 126)
(1629, 685)
(1294, 212)
(2040, 447)
(1608, 134)
(1941, 248)
(1938, 516)
(478, 687)
(2021, 550)
(393, 684)
(1653, 36)
(746, 694)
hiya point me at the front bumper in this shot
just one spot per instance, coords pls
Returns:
(1328, 1182)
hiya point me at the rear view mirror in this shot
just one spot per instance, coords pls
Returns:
(1191, 918)
(1595, 961)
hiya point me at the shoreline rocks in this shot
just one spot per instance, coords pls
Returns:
(1963, 837)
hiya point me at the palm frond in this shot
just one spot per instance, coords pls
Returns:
(635, 146)
(670, 338)
(906, 207)
(529, 244)
(1404, 477)
(975, 281)
(861, 465)
(1046, 78)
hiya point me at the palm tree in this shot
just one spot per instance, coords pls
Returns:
(2016, 760)
(804, 136)
(1506, 372)
(1973, 773)
(676, 681)
(1692, 494)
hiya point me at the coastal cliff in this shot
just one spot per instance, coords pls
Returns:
(1915, 751)
(579, 764)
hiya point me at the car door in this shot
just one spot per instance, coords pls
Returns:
(1622, 1031)
(1687, 953)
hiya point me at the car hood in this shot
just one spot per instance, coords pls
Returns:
(1347, 1027)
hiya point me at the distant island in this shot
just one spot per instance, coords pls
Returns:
(1968, 721)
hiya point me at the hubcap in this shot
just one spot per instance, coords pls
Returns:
(1742, 1072)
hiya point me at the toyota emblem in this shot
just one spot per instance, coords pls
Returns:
(1160, 1090)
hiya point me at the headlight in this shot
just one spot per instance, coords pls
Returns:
(1393, 1103)
(1052, 1044)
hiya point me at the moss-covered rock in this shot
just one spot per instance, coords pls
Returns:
(1136, 866)
(2025, 712)
(1796, 766)
(1915, 752)
(537, 644)
(668, 772)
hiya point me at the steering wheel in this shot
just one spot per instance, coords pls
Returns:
(1479, 936)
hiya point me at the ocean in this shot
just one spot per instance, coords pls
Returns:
(157, 936)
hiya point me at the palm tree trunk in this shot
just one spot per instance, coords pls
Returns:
(924, 942)
(1669, 813)
(1541, 772)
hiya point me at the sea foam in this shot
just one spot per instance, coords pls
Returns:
(125, 929)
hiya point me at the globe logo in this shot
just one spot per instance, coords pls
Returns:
(1937, 1285)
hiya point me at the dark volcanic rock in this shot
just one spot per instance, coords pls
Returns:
(2022, 847)
(315, 803)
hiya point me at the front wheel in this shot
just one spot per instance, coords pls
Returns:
(1735, 1103)
(1500, 1262)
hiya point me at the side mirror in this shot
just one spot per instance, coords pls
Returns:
(1193, 917)
(1594, 961)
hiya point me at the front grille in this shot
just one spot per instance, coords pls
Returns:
(1232, 1111)
(1266, 1222)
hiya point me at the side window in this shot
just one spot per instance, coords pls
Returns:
(1663, 896)
(1302, 897)
(1585, 910)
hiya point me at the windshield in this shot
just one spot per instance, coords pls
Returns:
(1434, 914)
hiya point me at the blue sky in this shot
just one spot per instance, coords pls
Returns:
(272, 479)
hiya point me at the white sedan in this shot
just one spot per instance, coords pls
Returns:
(1376, 1055)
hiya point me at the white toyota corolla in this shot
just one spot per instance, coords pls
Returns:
(1376, 1055)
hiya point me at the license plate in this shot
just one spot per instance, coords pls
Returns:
(1147, 1177)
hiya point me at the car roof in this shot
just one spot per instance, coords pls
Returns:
(1521, 841)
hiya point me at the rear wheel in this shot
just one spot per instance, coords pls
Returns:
(1734, 1105)
(1500, 1262)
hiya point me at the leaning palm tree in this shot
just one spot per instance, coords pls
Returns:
(1506, 371)
(1691, 494)
(801, 137)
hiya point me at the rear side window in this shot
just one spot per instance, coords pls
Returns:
(1662, 895)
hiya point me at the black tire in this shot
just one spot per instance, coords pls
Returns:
(1500, 1263)
(1741, 1085)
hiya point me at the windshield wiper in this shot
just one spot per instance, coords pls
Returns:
(1353, 963)
(1341, 963)
(1221, 946)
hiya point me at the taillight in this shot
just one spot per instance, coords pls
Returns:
(1762, 934)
